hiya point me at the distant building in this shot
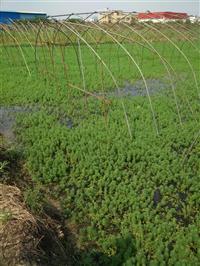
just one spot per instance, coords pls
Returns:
(161, 16)
(116, 16)
(6, 17)
(194, 19)
(92, 19)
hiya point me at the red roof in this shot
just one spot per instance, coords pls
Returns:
(160, 15)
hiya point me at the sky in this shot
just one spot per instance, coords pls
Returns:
(65, 6)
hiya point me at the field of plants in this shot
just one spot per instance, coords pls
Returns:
(108, 122)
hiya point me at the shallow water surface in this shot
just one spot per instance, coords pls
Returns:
(138, 88)
(8, 117)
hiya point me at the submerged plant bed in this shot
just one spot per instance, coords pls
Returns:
(123, 190)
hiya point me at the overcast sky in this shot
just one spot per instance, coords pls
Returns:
(64, 7)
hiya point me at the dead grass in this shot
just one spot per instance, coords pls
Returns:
(25, 239)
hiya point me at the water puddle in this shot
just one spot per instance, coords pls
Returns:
(66, 122)
(8, 117)
(138, 88)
